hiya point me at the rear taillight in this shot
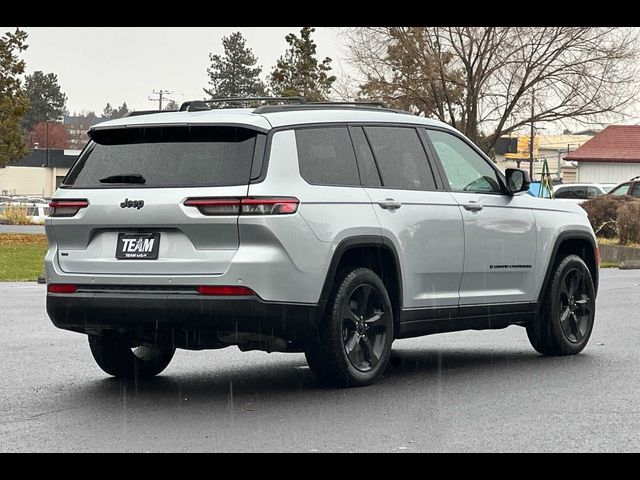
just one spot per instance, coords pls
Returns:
(269, 206)
(215, 206)
(61, 288)
(245, 206)
(225, 290)
(67, 208)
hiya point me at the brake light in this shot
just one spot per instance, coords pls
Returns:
(215, 206)
(245, 206)
(66, 208)
(62, 288)
(225, 290)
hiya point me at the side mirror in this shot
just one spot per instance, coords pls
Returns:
(517, 180)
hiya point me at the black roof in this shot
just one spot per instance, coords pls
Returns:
(38, 158)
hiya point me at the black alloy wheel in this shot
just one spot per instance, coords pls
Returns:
(576, 305)
(353, 343)
(364, 328)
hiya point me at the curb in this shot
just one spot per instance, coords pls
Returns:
(629, 265)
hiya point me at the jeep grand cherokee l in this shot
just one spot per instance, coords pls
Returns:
(328, 229)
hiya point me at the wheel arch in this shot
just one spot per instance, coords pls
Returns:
(371, 251)
(574, 242)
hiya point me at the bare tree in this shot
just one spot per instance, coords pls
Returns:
(483, 80)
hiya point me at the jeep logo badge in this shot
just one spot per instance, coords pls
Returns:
(137, 204)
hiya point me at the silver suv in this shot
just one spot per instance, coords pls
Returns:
(328, 229)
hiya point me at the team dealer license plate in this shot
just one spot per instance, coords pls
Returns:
(137, 246)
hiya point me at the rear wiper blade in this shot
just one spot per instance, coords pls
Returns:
(125, 178)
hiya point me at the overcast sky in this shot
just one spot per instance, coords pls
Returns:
(97, 65)
(106, 64)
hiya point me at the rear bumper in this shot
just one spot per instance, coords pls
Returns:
(137, 311)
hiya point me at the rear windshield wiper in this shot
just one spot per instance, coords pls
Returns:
(126, 178)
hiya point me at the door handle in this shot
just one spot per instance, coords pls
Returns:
(390, 204)
(473, 206)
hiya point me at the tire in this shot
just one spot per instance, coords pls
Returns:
(567, 314)
(114, 354)
(353, 344)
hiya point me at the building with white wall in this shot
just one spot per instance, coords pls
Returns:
(38, 174)
(612, 156)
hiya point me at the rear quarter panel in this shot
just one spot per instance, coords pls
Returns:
(326, 216)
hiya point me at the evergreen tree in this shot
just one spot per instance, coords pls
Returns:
(298, 72)
(235, 74)
(122, 111)
(172, 105)
(46, 100)
(110, 113)
(107, 112)
(13, 99)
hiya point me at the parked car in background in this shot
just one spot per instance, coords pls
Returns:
(578, 192)
(36, 211)
(632, 187)
(535, 190)
(608, 186)
(38, 200)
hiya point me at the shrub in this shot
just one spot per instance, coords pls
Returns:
(603, 213)
(629, 223)
(15, 215)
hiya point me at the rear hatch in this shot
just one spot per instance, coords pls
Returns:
(135, 182)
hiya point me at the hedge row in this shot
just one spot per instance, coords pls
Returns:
(615, 216)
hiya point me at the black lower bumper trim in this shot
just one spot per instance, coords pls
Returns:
(84, 312)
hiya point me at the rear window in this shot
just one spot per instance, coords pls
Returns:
(165, 157)
(326, 156)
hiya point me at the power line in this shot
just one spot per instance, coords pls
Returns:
(161, 94)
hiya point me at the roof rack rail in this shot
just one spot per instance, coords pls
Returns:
(197, 105)
(145, 112)
(367, 105)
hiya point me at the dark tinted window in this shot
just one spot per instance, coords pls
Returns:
(366, 164)
(167, 157)
(401, 158)
(593, 192)
(326, 157)
(571, 192)
(466, 169)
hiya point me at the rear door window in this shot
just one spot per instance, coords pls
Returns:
(326, 157)
(635, 191)
(175, 156)
(401, 158)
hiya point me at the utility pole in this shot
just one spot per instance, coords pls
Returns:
(161, 94)
(531, 135)
(46, 142)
